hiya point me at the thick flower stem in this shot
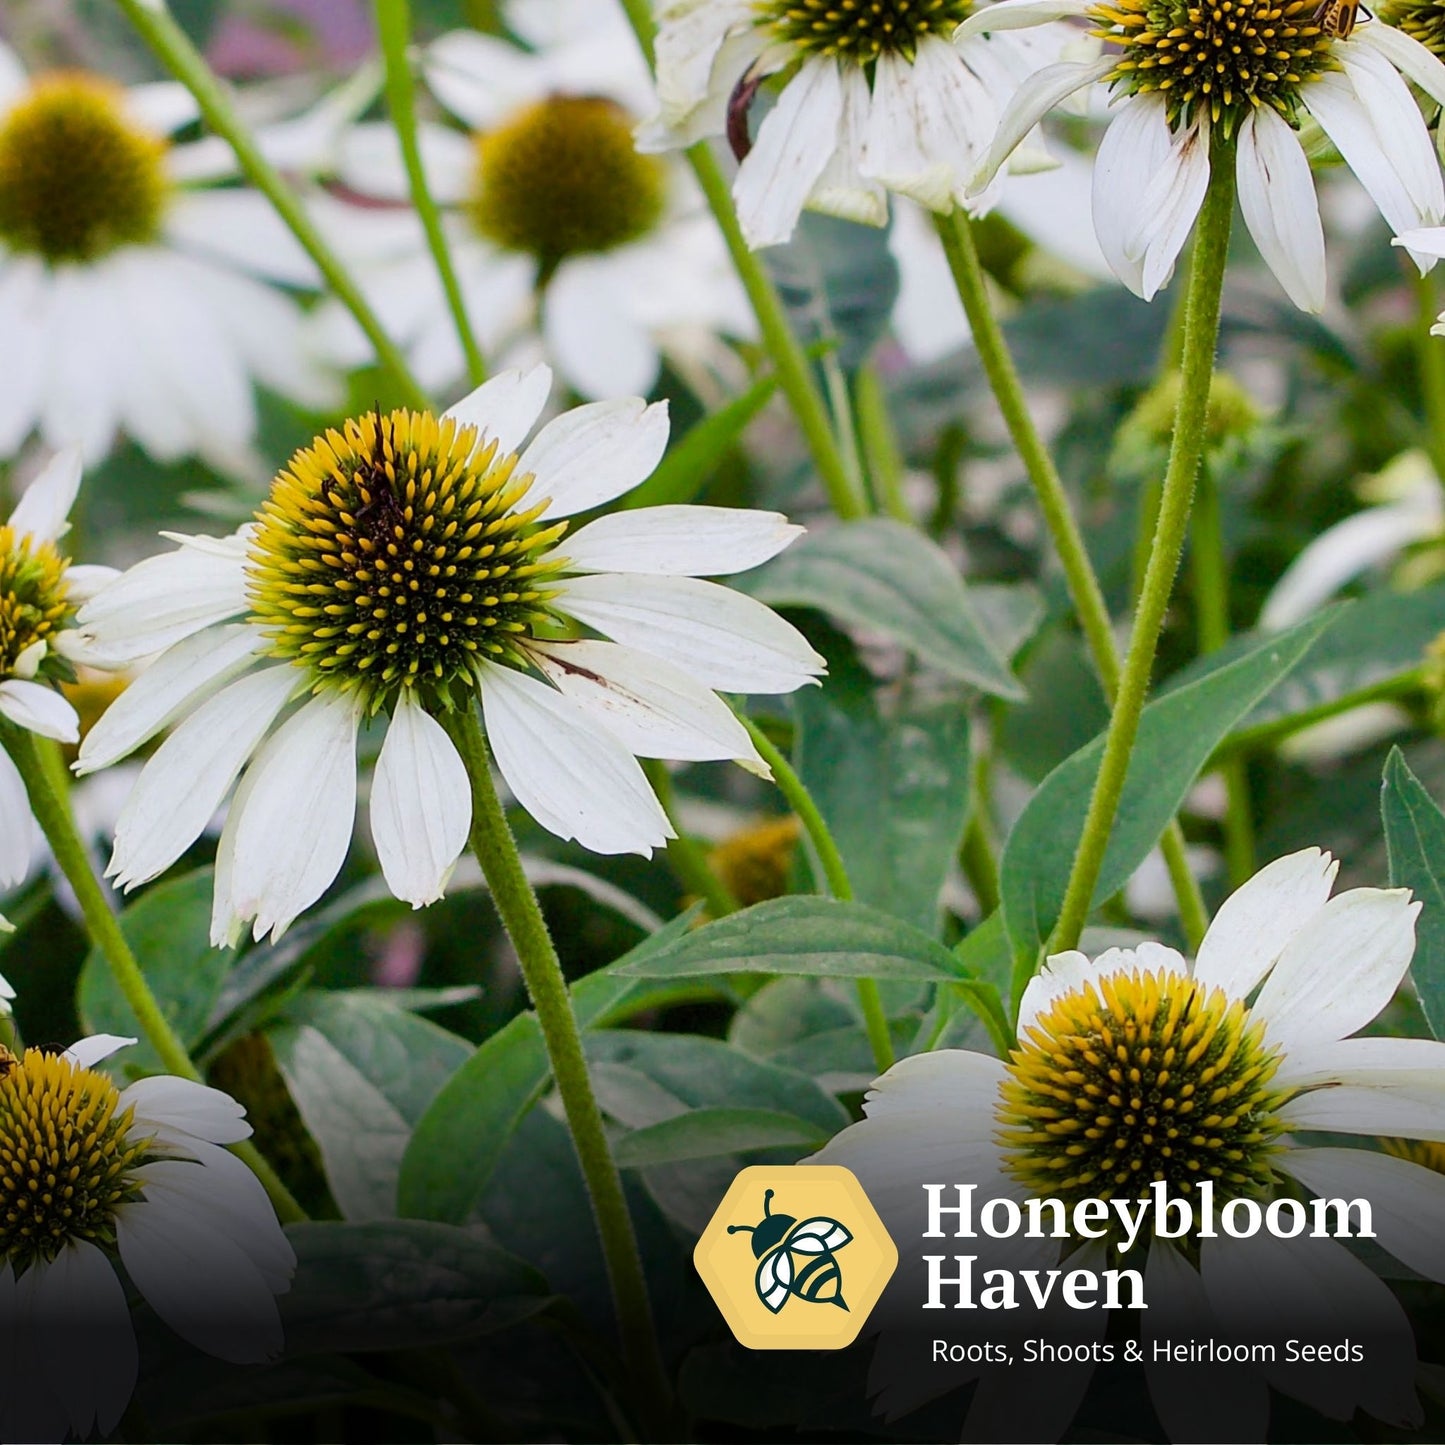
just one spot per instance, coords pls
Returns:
(790, 785)
(791, 361)
(43, 772)
(393, 27)
(1201, 332)
(521, 915)
(956, 232)
(174, 50)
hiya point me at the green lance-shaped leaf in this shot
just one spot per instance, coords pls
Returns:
(1415, 839)
(1177, 734)
(884, 577)
(710, 1133)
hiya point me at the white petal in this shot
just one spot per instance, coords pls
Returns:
(1406, 1200)
(85, 1343)
(161, 601)
(1345, 1109)
(687, 47)
(39, 709)
(44, 511)
(1260, 917)
(201, 1283)
(1341, 968)
(1265, 1288)
(1277, 197)
(1136, 146)
(1171, 201)
(654, 710)
(481, 78)
(184, 1105)
(171, 687)
(1430, 240)
(1370, 1062)
(13, 79)
(576, 781)
(86, 1053)
(421, 805)
(300, 809)
(593, 453)
(1195, 1400)
(1072, 972)
(595, 330)
(162, 105)
(1034, 100)
(506, 407)
(1017, 15)
(680, 541)
(904, 111)
(87, 581)
(1406, 54)
(240, 228)
(793, 145)
(724, 639)
(842, 189)
(183, 784)
(17, 830)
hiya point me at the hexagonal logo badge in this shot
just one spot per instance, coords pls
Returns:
(796, 1257)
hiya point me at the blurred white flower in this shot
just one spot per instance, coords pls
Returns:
(555, 224)
(408, 565)
(876, 99)
(149, 1188)
(1135, 1067)
(135, 294)
(1154, 162)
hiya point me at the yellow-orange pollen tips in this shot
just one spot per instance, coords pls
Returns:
(1216, 60)
(33, 602)
(1135, 1078)
(398, 553)
(78, 177)
(65, 1163)
(862, 30)
(562, 178)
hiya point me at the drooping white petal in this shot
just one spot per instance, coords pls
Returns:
(171, 687)
(1277, 197)
(724, 639)
(687, 46)
(793, 145)
(86, 1053)
(842, 189)
(421, 805)
(1196, 1401)
(1260, 917)
(1172, 198)
(596, 452)
(162, 601)
(1072, 972)
(17, 829)
(295, 829)
(85, 1341)
(43, 512)
(1413, 60)
(680, 541)
(1267, 1288)
(575, 780)
(182, 1104)
(199, 1281)
(894, 151)
(1406, 1200)
(1428, 240)
(1017, 15)
(39, 709)
(505, 407)
(654, 709)
(1034, 100)
(187, 779)
(1341, 968)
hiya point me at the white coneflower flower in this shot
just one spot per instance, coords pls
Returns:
(1243, 73)
(1136, 1066)
(877, 99)
(405, 566)
(555, 223)
(131, 296)
(148, 1186)
(39, 593)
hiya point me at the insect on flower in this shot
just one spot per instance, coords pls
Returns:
(1338, 17)
(777, 1238)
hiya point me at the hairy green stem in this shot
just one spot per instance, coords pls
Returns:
(174, 50)
(1201, 332)
(47, 786)
(521, 915)
(393, 26)
(795, 377)
(880, 445)
(956, 232)
(791, 786)
(686, 855)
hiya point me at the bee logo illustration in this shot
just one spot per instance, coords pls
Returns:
(777, 1238)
